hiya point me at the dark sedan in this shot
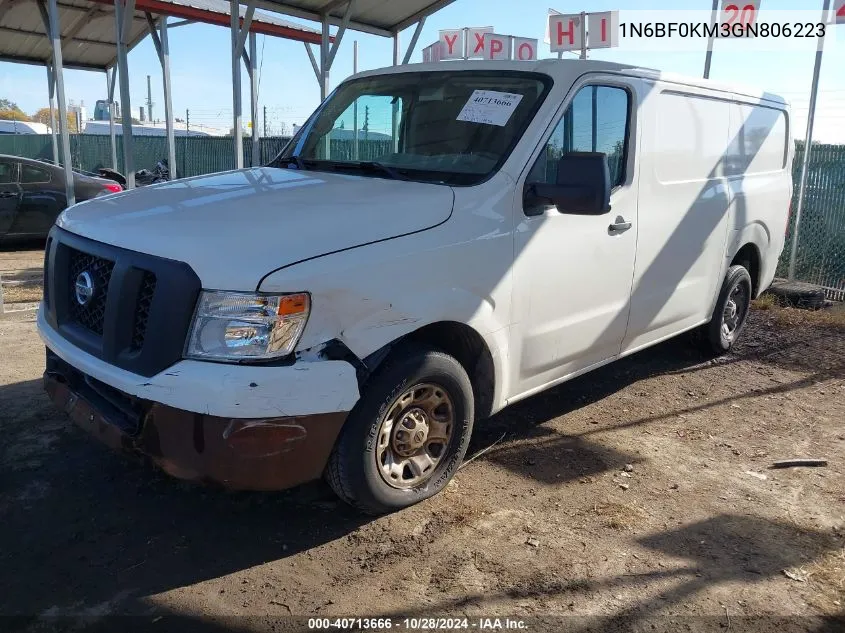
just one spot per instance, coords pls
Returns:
(32, 195)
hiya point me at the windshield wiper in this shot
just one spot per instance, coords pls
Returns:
(372, 165)
(293, 159)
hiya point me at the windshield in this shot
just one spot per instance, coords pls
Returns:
(445, 127)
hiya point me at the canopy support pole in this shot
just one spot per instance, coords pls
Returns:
(123, 14)
(253, 91)
(236, 85)
(238, 36)
(51, 84)
(162, 46)
(394, 115)
(414, 39)
(111, 76)
(50, 15)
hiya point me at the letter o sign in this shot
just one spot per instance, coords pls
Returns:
(524, 48)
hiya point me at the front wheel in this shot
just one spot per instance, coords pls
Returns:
(730, 313)
(407, 436)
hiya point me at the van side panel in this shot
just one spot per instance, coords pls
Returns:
(758, 167)
(683, 214)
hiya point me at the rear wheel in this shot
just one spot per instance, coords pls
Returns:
(730, 313)
(408, 434)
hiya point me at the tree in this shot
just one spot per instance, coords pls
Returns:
(43, 116)
(366, 127)
(10, 111)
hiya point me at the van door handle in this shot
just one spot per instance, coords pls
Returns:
(619, 226)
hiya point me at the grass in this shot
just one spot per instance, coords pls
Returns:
(787, 316)
(21, 293)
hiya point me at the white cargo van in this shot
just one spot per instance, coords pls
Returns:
(490, 230)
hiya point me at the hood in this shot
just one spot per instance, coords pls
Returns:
(234, 227)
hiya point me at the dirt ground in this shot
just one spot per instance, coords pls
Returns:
(638, 497)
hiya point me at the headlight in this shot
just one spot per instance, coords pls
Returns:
(240, 326)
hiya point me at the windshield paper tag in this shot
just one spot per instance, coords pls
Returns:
(490, 107)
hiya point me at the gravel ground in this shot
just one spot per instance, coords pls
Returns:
(641, 491)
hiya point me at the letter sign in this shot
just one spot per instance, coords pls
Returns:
(452, 43)
(475, 41)
(839, 12)
(525, 48)
(565, 33)
(603, 29)
(497, 46)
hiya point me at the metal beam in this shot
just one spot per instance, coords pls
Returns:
(339, 35)
(111, 76)
(153, 29)
(234, 33)
(122, 17)
(253, 90)
(414, 39)
(41, 61)
(313, 60)
(54, 33)
(128, 17)
(51, 91)
(245, 26)
(81, 21)
(168, 98)
(173, 25)
(324, 60)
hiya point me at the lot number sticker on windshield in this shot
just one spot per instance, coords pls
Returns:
(490, 107)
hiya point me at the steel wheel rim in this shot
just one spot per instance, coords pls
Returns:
(734, 312)
(414, 434)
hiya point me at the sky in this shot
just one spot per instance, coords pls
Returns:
(201, 67)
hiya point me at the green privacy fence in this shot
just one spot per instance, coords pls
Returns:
(821, 244)
(821, 239)
(195, 155)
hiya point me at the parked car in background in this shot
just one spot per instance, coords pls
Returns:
(32, 195)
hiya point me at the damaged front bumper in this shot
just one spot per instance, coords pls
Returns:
(242, 454)
(249, 427)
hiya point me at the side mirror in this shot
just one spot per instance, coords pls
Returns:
(582, 186)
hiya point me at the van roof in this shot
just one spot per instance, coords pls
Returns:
(568, 69)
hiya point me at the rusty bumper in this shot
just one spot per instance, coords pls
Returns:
(243, 454)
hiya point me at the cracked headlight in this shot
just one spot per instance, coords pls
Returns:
(237, 326)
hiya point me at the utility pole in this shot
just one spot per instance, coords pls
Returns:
(149, 101)
(265, 121)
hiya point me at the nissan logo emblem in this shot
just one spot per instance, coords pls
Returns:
(84, 288)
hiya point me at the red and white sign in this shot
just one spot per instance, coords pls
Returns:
(525, 48)
(546, 38)
(432, 53)
(452, 43)
(839, 12)
(603, 29)
(497, 46)
(565, 33)
(739, 13)
(475, 41)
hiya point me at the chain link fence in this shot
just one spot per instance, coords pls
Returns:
(820, 257)
(821, 248)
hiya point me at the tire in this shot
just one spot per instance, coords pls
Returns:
(357, 471)
(736, 288)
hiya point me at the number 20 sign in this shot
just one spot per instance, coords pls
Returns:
(739, 12)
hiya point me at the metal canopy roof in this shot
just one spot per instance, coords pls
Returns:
(88, 28)
(380, 17)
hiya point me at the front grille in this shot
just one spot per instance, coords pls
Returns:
(142, 310)
(140, 306)
(91, 314)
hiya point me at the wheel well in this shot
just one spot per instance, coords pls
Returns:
(469, 349)
(749, 257)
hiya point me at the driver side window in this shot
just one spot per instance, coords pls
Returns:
(597, 120)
